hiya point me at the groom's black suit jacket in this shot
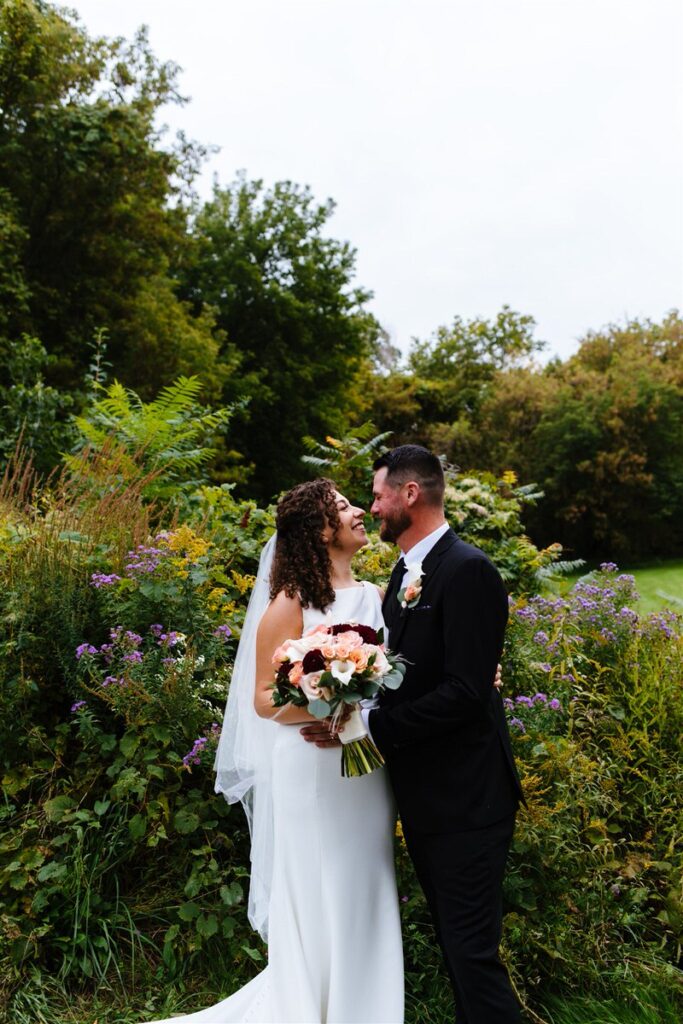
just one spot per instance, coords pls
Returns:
(443, 733)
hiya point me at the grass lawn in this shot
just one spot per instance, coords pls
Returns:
(655, 582)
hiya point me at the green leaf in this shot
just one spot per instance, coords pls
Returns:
(137, 826)
(253, 953)
(54, 870)
(188, 911)
(130, 742)
(58, 807)
(101, 806)
(392, 680)
(319, 708)
(185, 821)
(207, 925)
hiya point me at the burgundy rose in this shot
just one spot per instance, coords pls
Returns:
(283, 672)
(313, 662)
(367, 633)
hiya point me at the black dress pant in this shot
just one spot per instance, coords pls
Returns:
(461, 874)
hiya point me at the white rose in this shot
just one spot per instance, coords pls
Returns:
(310, 684)
(381, 664)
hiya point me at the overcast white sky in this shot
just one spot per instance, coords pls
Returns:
(480, 151)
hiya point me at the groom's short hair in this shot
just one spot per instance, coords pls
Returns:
(413, 462)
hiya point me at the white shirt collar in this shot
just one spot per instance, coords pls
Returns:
(419, 551)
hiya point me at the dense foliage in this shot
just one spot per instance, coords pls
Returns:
(120, 867)
(601, 433)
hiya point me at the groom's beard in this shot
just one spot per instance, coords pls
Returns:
(392, 526)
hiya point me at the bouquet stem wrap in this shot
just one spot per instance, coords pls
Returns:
(359, 754)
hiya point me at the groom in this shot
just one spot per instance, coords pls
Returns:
(443, 733)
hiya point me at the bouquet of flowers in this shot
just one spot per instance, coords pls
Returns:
(330, 668)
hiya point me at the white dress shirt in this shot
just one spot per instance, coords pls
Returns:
(419, 551)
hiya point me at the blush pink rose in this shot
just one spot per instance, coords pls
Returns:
(280, 654)
(351, 639)
(411, 592)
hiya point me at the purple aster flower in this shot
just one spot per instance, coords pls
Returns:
(78, 705)
(156, 629)
(524, 700)
(134, 656)
(545, 666)
(108, 680)
(608, 567)
(222, 632)
(541, 637)
(192, 757)
(132, 638)
(508, 703)
(540, 698)
(168, 661)
(84, 649)
(103, 579)
(169, 639)
(517, 723)
(554, 704)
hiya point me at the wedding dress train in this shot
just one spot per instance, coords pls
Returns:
(334, 943)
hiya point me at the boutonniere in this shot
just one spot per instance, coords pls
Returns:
(409, 595)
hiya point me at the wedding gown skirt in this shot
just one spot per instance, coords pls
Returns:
(334, 943)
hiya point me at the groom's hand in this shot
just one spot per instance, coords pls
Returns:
(321, 733)
(498, 681)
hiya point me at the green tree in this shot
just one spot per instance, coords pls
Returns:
(292, 318)
(602, 433)
(460, 361)
(91, 212)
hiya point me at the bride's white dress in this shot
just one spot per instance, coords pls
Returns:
(334, 943)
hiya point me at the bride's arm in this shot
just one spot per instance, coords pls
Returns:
(282, 620)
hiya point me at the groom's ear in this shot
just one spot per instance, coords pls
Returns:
(412, 491)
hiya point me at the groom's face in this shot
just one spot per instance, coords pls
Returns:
(389, 506)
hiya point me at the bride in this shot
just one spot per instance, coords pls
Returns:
(323, 893)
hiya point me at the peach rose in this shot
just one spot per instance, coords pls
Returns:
(344, 648)
(295, 673)
(360, 658)
(411, 592)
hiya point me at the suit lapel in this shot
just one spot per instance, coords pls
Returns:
(397, 626)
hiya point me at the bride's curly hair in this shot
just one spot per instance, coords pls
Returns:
(301, 564)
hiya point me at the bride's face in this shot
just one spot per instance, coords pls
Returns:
(351, 535)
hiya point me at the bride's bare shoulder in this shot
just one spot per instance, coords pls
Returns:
(283, 613)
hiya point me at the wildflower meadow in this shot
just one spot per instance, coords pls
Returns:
(123, 876)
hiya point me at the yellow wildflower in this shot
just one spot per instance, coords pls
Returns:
(510, 477)
(215, 598)
(185, 541)
(243, 583)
